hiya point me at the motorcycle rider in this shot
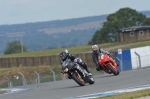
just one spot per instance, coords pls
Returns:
(66, 55)
(95, 52)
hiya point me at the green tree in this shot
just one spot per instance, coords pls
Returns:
(124, 17)
(14, 47)
(147, 21)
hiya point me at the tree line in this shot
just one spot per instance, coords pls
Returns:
(123, 18)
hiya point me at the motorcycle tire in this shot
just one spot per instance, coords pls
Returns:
(78, 79)
(112, 70)
(118, 72)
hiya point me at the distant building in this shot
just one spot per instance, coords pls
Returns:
(135, 33)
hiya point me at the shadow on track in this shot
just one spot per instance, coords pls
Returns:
(72, 87)
(104, 76)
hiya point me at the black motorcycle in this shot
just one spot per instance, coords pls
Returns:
(77, 73)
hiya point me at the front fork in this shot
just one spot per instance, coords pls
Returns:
(114, 67)
(107, 69)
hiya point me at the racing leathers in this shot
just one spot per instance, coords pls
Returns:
(95, 58)
(72, 58)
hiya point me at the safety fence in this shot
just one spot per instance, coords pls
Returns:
(21, 80)
(133, 58)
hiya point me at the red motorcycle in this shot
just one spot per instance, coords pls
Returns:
(108, 64)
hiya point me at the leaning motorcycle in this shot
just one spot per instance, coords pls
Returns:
(108, 64)
(77, 73)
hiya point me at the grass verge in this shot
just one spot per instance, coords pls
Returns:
(31, 78)
(129, 95)
(3, 91)
(74, 50)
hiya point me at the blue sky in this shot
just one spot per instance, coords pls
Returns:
(25, 11)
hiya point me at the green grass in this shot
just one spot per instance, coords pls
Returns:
(136, 45)
(74, 50)
(30, 76)
(2, 91)
(54, 51)
(28, 70)
(129, 95)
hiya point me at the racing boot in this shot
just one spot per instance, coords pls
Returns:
(98, 67)
(84, 65)
(69, 77)
(89, 73)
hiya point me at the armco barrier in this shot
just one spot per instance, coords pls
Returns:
(134, 58)
(125, 58)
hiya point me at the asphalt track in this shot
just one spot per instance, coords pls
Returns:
(69, 88)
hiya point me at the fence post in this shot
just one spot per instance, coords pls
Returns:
(23, 79)
(38, 77)
(8, 81)
(120, 63)
(1, 62)
(17, 62)
(138, 58)
(9, 65)
(33, 61)
(24, 59)
(41, 60)
(50, 61)
(53, 74)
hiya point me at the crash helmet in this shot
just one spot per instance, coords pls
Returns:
(95, 49)
(64, 55)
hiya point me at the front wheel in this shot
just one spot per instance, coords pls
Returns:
(78, 79)
(112, 70)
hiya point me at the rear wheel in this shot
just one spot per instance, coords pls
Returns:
(112, 70)
(78, 79)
